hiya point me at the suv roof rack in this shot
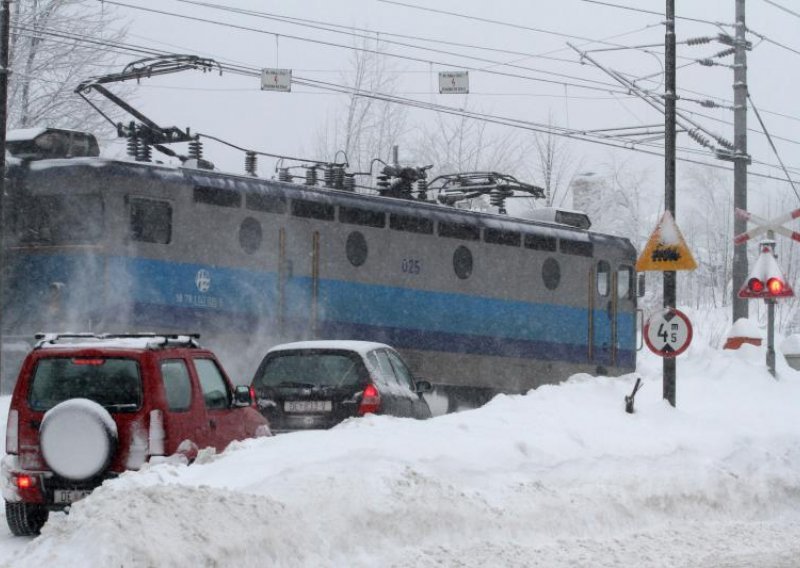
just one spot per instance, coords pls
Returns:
(160, 339)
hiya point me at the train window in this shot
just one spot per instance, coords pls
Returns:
(551, 273)
(355, 216)
(266, 203)
(462, 262)
(411, 224)
(313, 210)
(499, 237)
(540, 242)
(603, 277)
(151, 221)
(625, 285)
(459, 231)
(221, 196)
(250, 235)
(578, 248)
(60, 219)
(356, 248)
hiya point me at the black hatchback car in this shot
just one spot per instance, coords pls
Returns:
(317, 384)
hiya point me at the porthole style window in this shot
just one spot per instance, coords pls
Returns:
(250, 235)
(551, 273)
(356, 248)
(462, 262)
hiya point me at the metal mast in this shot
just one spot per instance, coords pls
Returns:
(740, 158)
(670, 365)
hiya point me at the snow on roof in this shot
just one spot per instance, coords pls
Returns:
(360, 347)
(21, 134)
(138, 343)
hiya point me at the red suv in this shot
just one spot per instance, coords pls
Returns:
(88, 407)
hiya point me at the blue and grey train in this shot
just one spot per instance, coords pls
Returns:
(478, 303)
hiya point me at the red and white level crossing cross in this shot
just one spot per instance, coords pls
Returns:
(764, 225)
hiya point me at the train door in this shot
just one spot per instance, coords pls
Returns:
(298, 284)
(603, 316)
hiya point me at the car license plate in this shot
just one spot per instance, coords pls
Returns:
(308, 406)
(66, 496)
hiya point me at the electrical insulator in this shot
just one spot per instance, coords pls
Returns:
(133, 146)
(284, 175)
(338, 177)
(145, 152)
(328, 175)
(706, 62)
(350, 182)
(250, 162)
(195, 149)
(726, 52)
(383, 181)
(422, 190)
(698, 40)
(311, 175)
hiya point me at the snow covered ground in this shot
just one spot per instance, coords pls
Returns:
(559, 477)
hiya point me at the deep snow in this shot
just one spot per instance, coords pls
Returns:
(561, 476)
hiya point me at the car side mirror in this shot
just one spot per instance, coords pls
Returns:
(423, 386)
(242, 396)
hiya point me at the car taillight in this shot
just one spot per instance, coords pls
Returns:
(370, 400)
(156, 434)
(253, 396)
(12, 432)
(92, 362)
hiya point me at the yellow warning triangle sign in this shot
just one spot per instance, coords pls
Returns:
(666, 249)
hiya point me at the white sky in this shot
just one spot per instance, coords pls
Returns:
(561, 476)
(233, 107)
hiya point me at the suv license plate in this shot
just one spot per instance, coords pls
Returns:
(308, 406)
(66, 496)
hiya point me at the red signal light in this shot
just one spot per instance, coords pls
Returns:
(775, 286)
(25, 481)
(755, 285)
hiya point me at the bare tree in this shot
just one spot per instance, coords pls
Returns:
(369, 127)
(56, 44)
(556, 167)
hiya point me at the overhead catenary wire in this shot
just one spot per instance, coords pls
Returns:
(772, 145)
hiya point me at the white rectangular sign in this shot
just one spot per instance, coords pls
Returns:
(276, 80)
(453, 82)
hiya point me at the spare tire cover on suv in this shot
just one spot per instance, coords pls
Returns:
(78, 438)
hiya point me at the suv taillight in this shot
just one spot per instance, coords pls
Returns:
(156, 434)
(370, 400)
(12, 432)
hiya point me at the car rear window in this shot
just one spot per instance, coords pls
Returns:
(310, 368)
(114, 383)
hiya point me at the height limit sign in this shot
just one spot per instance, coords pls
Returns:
(668, 332)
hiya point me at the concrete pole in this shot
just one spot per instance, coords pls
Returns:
(669, 363)
(740, 270)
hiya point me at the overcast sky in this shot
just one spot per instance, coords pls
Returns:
(545, 81)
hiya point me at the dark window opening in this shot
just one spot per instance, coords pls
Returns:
(60, 219)
(540, 242)
(266, 203)
(313, 210)
(577, 248)
(221, 196)
(151, 221)
(411, 224)
(499, 237)
(355, 216)
(461, 231)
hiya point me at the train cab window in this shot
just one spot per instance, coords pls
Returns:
(625, 285)
(551, 273)
(250, 235)
(356, 248)
(462, 262)
(221, 196)
(151, 221)
(410, 224)
(266, 203)
(577, 248)
(461, 231)
(500, 237)
(60, 219)
(365, 217)
(313, 210)
(603, 277)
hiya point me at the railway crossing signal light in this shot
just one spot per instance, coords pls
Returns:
(766, 280)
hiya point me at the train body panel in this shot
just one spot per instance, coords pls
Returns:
(473, 300)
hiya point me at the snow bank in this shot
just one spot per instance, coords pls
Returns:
(561, 476)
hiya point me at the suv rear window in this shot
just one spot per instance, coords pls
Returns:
(113, 383)
(310, 368)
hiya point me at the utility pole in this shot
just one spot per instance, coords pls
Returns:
(669, 363)
(740, 158)
(5, 22)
